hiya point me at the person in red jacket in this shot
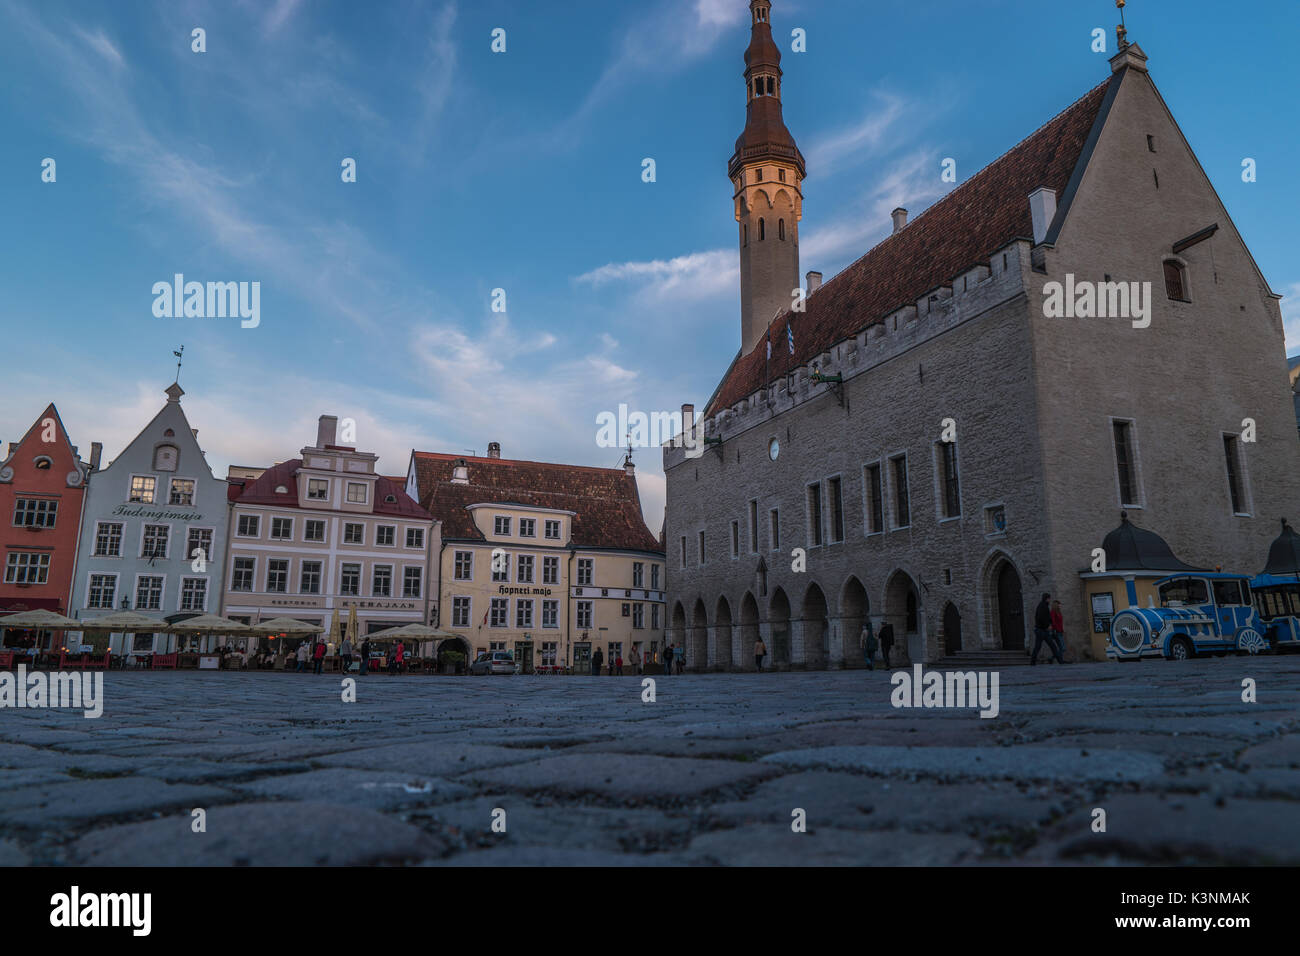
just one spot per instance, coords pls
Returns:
(1058, 630)
(318, 657)
(399, 655)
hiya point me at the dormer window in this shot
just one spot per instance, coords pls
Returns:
(44, 463)
(165, 458)
(1176, 281)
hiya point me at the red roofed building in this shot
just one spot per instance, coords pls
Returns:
(314, 537)
(551, 562)
(42, 486)
(948, 428)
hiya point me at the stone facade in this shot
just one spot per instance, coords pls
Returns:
(1031, 403)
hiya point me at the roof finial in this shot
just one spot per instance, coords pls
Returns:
(178, 363)
(1121, 32)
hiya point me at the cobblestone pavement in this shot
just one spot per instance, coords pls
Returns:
(708, 773)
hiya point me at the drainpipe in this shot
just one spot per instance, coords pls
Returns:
(572, 603)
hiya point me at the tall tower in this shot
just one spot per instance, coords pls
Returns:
(767, 172)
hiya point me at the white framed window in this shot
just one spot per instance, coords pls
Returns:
(248, 526)
(318, 489)
(354, 533)
(638, 615)
(277, 575)
(155, 540)
(386, 536)
(350, 580)
(242, 573)
(415, 537)
(654, 577)
(464, 566)
(35, 513)
(523, 612)
(357, 492)
(527, 527)
(148, 592)
(309, 577)
(524, 569)
(552, 529)
(638, 574)
(549, 653)
(501, 525)
(460, 611)
(412, 582)
(198, 539)
(498, 611)
(313, 529)
(381, 580)
(281, 529)
(194, 594)
(108, 539)
(26, 567)
(500, 566)
(582, 615)
(550, 613)
(550, 569)
(586, 571)
(182, 492)
(142, 489)
(102, 591)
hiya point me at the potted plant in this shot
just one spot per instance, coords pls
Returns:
(452, 662)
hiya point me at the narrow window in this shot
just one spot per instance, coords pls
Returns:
(780, 174)
(774, 528)
(837, 510)
(753, 527)
(762, 230)
(1151, 143)
(701, 547)
(902, 506)
(875, 501)
(1233, 460)
(1175, 284)
(683, 550)
(815, 515)
(735, 539)
(950, 496)
(780, 229)
(745, 226)
(1124, 462)
(771, 86)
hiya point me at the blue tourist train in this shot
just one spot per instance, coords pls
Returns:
(1277, 591)
(1200, 612)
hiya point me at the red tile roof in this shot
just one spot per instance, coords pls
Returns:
(605, 501)
(961, 230)
(261, 491)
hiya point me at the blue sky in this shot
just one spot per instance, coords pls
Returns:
(519, 171)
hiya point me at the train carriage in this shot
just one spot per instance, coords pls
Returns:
(1199, 613)
(1277, 591)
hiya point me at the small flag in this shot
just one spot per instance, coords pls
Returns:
(789, 336)
(769, 343)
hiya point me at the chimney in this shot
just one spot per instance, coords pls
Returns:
(813, 282)
(460, 472)
(326, 430)
(688, 419)
(1042, 208)
(628, 467)
(900, 219)
(96, 451)
(494, 449)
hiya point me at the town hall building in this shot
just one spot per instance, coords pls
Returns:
(951, 426)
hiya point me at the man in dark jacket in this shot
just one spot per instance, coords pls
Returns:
(886, 641)
(1043, 632)
(365, 656)
(597, 659)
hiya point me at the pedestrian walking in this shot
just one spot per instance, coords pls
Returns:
(1043, 631)
(1058, 630)
(681, 658)
(302, 657)
(886, 641)
(399, 658)
(666, 658)
(365, 656)
(867, 639)
(760, 652)
(320, 657)
(345, 649)
(597, 659)
(618, 664)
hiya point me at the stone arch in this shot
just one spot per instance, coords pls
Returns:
(778, 618)
(456, 644)
(697, 645)
(903, 610)
(855, 610)
(815, 627)
(720, 645)
(747, 634)
(1003, 622)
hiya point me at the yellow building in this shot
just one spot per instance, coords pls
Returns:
(551, 562)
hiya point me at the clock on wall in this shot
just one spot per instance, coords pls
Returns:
(773, 449)
(165, 458)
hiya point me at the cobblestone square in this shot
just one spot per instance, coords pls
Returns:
(711, 772)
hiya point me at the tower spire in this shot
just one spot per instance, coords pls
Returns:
(1121, 31)
(767, 172)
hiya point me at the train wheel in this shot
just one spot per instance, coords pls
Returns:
(1180, 649)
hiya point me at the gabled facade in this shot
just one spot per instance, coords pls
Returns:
(153, 530)
(42, 486)
(324, 533)
(943, 446)
(545, 560)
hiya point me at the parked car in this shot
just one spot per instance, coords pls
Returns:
(1199, 613)
(1277, 598)
(496, 662)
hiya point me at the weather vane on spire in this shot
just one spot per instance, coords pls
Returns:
(1121, 32)
(178, 363)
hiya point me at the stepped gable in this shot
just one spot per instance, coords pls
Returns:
(961, 230)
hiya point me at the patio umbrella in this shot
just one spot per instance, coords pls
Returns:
(207, 624)
(417, 632)
(352, 621)
(285, 625)
(121, 622)
(42, 620)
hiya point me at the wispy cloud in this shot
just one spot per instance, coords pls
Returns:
(1291, 316)
(102, 45)
(279, 15)
(862, 138)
